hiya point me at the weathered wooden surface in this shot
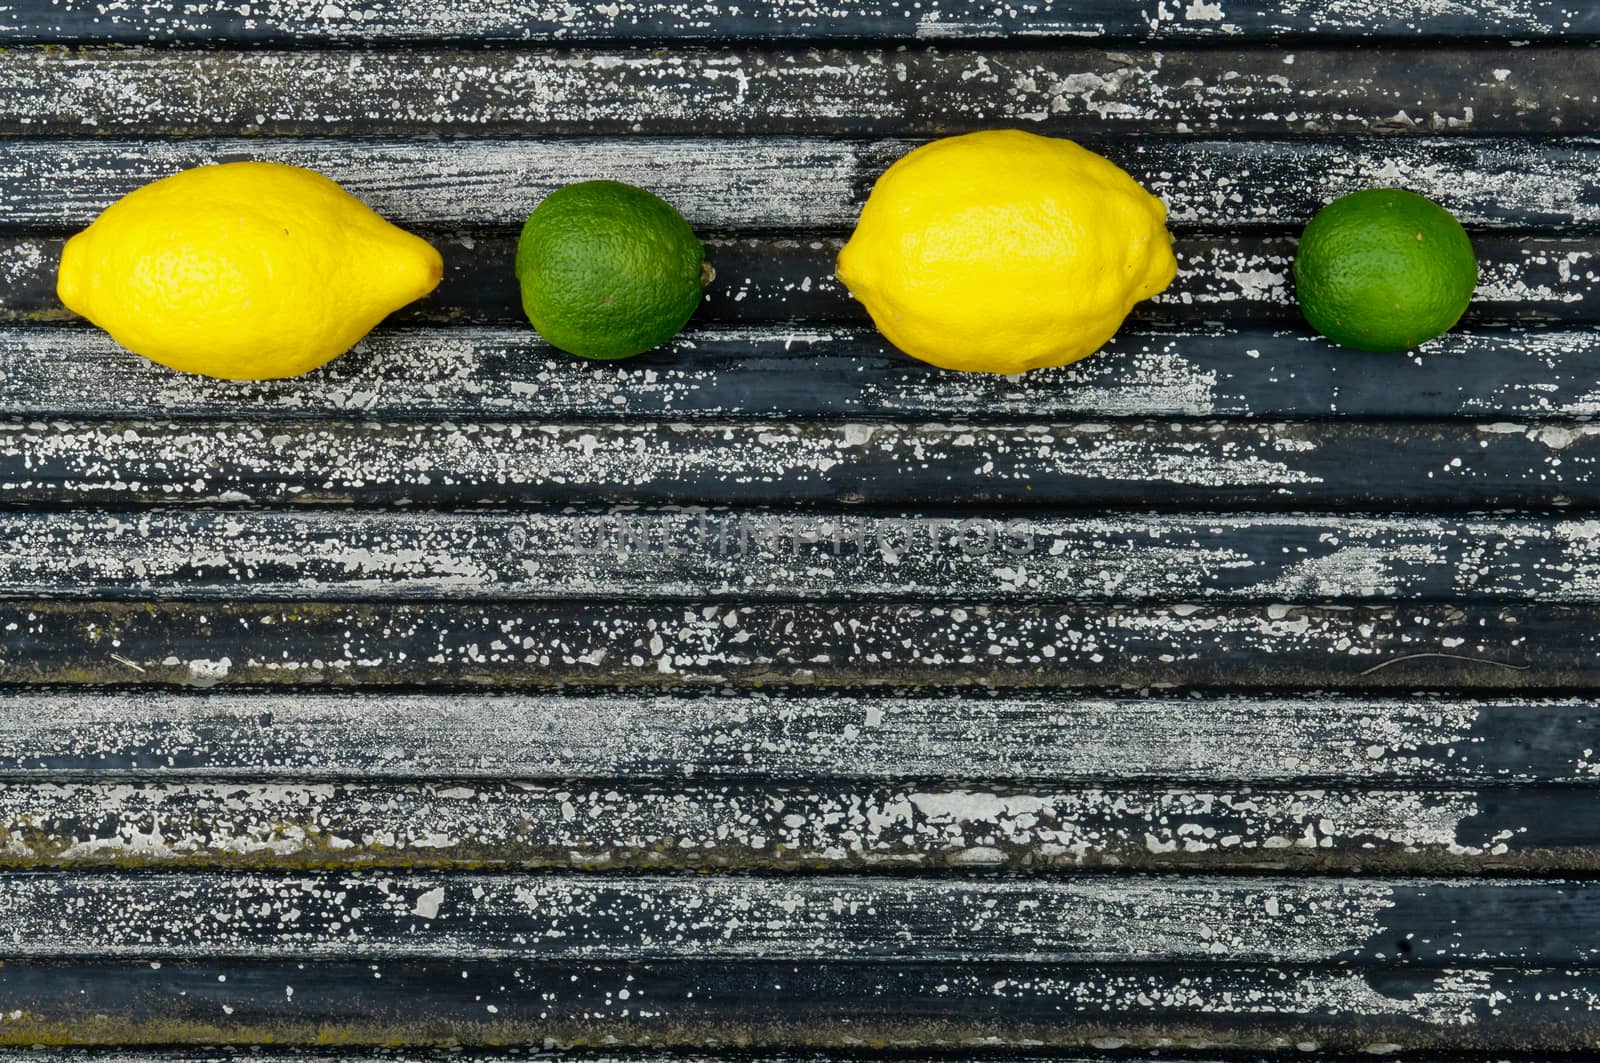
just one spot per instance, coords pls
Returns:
(794, 735)
(411, 20)
(1100, 919)
(430, 699)
(669, 644)
(425, 1054)
(760, 554)
(780, 1004)
(892, 91)
(788, 279)
(609, 825)
(820, 183)
(1532, 373)
(1199, 464)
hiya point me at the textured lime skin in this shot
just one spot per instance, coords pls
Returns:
(608, 270)
(1384, 270)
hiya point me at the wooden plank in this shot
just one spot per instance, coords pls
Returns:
(1221, 278)
(817, 825)
(788, 279)
(393, 1053)
(1193, 464)
(521, 1054)
(498, 20)
(913, 91)
(1087, 919)
(426, 1054)
(663, 644)
(829, 371)
(795, 736)
(773, 1004)
(756, 554)
(815, 183)
(832, 962)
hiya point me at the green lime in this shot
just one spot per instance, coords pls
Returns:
(608, 270)
(1384, 270)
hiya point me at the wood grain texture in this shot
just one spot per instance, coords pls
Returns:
(496, 20)
(1522, 278)
(667, 645)
(340, 712)
(522, 1053)
(750, 555)
(1533, 279)
(793, 736)
(789, 280)
(1195, 464)
(526, 1054)
(1084, 919)
(820, 183)
(730, 371)
(913, 91)
(762, 1004)
(815, 825)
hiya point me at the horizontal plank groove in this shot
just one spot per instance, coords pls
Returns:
(542, 645)
(774, 1004)
(809, 371)
(790, 280)
(819, 184)
(522, 1054)
(788, 737)
(35, 21)
(426, 1054)
(767, 1005)
(758, 554)
(1170, 464)
(842, 827)
(1227, 693)
(257, 1053)
(1106, 919)
(918, 91)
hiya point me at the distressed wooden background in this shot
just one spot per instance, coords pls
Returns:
(336, 718)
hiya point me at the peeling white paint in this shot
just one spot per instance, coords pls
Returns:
(267, 734)
(655, 552)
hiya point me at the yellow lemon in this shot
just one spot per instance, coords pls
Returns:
(1002, 251)
(247, 270)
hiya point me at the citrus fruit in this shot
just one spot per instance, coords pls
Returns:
(1384, 270)
(245, 270)
(608, 270)
(1003, 251)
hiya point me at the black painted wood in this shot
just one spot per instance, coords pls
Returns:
(985, 470)
(841, 828)
(316, 730)
(428, 1054)
(774, 1004)
(752, 555)
(914, 91)
(1382, 647)
(77, 20)
(1533, 374)
(1098, 919)
(789, 279)
(793, 736)
(820, 183)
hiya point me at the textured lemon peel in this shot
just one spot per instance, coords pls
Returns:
(245, 271)
(1004, 251)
